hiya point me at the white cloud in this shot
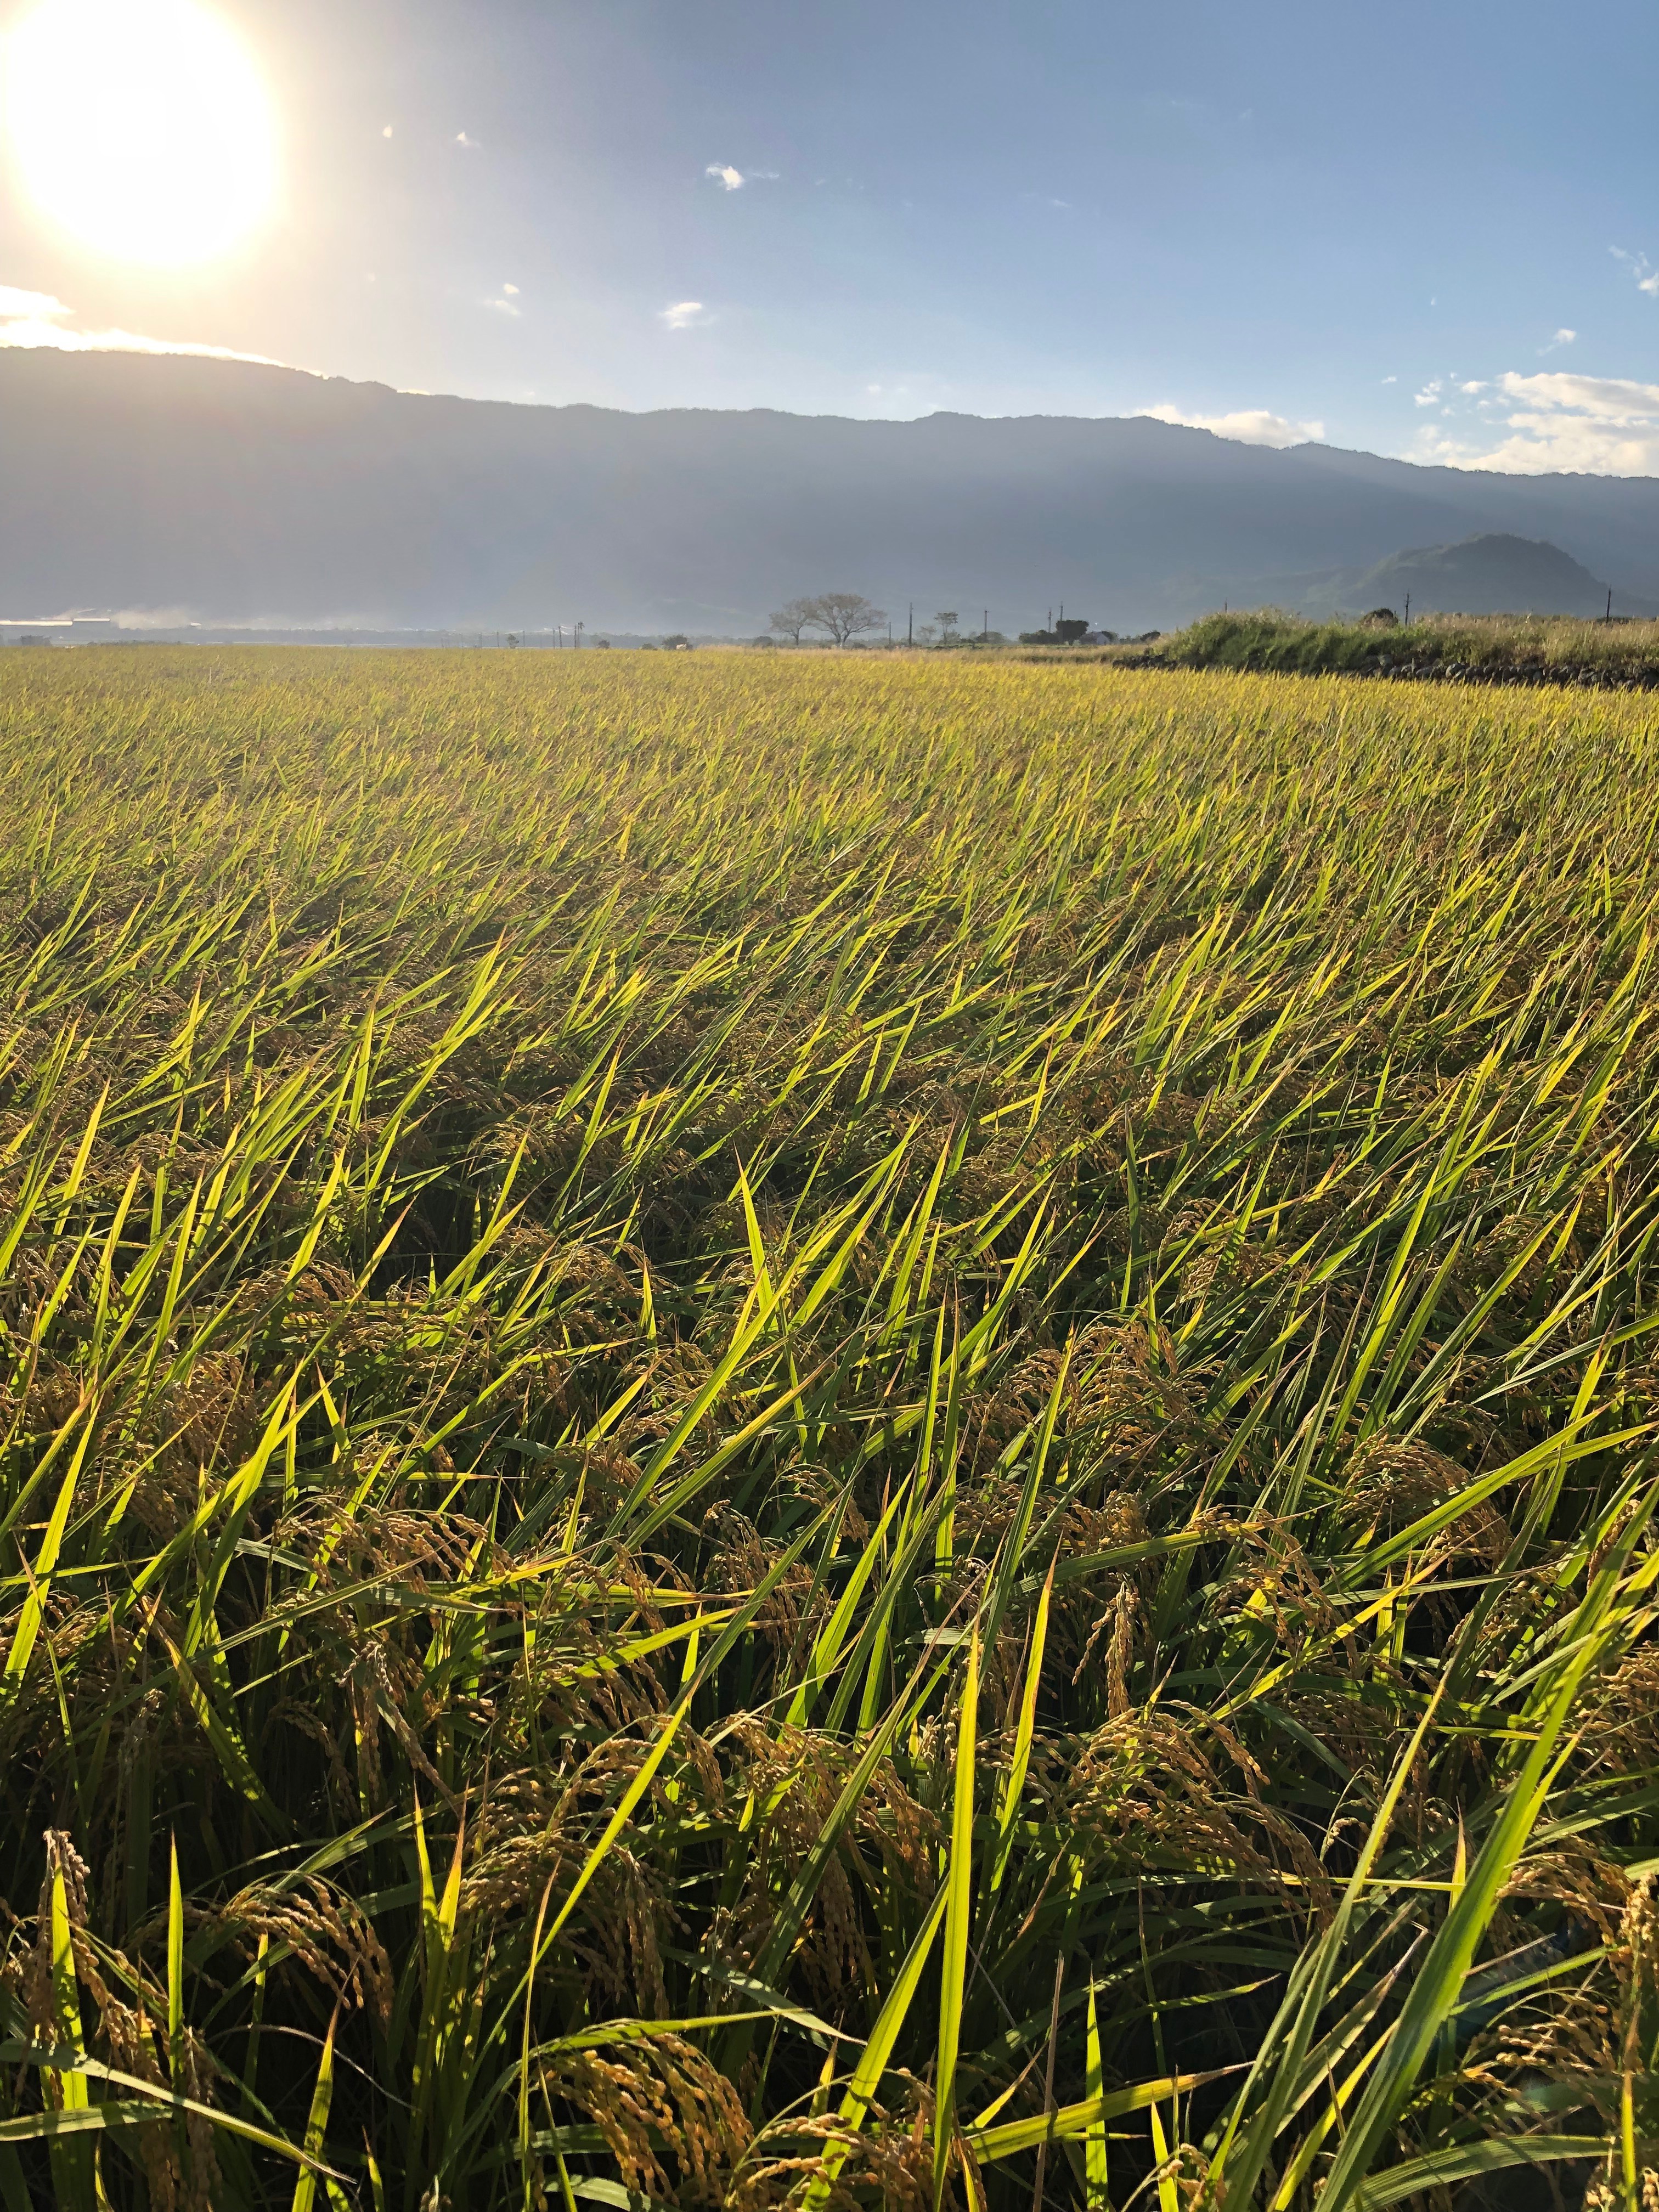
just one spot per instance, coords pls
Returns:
(1246, 426)
(732, 179)
(461, 139)
(1391, 379)
(504, 307)
(386, 133)
(32, 320)
(1430, 392)
(1604, 426)
(1646, 276)
(27, 334)
(510, 290)
(1472, 387)
(13, 301)
(683, 315)
(1565, 336)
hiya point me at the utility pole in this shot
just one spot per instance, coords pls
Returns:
(1609, 606)
(985, 628)
(910, 625)
(1408, 610)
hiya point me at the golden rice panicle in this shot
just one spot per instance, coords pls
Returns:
(826, 1431)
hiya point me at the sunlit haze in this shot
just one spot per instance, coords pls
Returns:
(141, 127)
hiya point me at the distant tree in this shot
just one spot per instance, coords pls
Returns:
(947, 622)
(926, 632)
(845, 615)
(771, 643)
(790, 620)
(677, 643)
(1067, 630)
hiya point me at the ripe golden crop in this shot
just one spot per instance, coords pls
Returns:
(801, 1430)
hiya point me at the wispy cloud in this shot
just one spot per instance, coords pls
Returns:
(461, 139)
(683, 315)
(1431, 393)
(733, 179)
(1646, 276)
(1604, 426)
(1246, 426)
(33, 320)
(505, 307)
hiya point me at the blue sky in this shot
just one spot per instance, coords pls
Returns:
(1429, 231)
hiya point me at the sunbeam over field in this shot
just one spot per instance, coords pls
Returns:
(825, 1432)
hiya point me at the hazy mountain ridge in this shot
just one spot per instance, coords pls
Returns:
(1491, 573)
(244, 493)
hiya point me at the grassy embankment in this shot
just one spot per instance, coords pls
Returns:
(1460, 648)
(760, 1414)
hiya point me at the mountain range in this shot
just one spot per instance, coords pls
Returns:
(230, 492)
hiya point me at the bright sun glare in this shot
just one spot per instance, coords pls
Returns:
(143, 126)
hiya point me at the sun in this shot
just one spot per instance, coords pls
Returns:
(141, 126)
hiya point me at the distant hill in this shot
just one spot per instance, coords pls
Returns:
(1493, 573)
(237, 493)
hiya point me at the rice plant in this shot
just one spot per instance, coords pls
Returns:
(824, 1432)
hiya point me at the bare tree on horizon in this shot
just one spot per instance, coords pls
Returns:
(845, 615)
(792, 619)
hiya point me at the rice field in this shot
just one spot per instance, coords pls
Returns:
(825, 1431)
